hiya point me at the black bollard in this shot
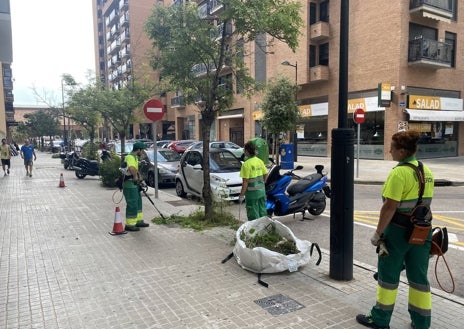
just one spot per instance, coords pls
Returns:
(341, 204)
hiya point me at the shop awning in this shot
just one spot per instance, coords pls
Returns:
(429, 115)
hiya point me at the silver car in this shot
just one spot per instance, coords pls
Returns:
(168, 163)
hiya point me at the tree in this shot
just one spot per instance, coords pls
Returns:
(202, 56)
(84, 107)
(41, 123)
(119, 106)
(280, 108)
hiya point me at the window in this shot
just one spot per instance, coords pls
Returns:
(324, 54)
(324, 11)
(450, 38)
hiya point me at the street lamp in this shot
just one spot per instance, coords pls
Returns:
(295, 137)
(65, 137)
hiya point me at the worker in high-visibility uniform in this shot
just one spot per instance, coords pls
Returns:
(254, 175)
(400, 194)
(132, 188)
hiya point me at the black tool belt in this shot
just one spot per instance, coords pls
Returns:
(402, 220)
(128, 177)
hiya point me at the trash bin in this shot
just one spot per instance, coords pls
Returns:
(262, 149)
(286, 156)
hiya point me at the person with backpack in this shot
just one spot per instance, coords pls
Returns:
(5, 155)
(132, 189)
(401, 194)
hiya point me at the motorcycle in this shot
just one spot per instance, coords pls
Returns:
(308, 193)
(84, 167)
(69, 159)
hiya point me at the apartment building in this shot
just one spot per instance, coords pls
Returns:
(6, 76)
(405, 71)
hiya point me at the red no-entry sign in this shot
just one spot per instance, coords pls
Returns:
(359, 116)
(153, 109)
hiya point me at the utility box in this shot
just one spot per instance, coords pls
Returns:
(286, 156)
(262, 149)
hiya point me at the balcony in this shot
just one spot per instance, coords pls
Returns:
(429, 53)
(124, 20)
(319, 31)
(433, 9)
(7, 83)
(178, 102)
(319, 73)
(125, 36)
(200, 70)
(123, 4)
(125, 53)
(219, 30)
(115, 45)
(215, 6)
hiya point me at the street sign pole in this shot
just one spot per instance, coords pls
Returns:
(154, 111)
(155, 156)
(358, 117)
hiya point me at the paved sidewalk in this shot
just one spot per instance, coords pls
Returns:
(59, 267)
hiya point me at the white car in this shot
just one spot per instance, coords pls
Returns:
(224, 174)
(232, 147)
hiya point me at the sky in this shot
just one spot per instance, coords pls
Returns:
(50, 38)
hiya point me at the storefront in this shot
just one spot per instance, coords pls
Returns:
(313, 135)
(437, 118)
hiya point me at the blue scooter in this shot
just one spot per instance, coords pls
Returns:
(308, 193)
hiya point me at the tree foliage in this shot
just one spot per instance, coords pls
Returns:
(280, 107)
(202, 56)
(41, 123)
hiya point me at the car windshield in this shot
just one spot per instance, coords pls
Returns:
(224, 162)
(127, 147)
(164, 156)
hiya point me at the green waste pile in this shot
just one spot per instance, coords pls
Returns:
(269, 239)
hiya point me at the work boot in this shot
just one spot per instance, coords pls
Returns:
(368, 321)
(142, 224)
(131, 228)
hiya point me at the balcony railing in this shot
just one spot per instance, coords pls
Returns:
(429, 53)
(177, 101)
(434, 9)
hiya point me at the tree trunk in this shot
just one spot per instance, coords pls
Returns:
(206, 122)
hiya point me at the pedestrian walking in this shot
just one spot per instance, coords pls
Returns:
(400, 194)
(254, 175)
(5, 156)
(132, 189)
(28, 154)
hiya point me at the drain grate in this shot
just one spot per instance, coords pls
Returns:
(279, 304)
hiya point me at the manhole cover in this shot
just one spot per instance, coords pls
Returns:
(279, 304)
(179, 203)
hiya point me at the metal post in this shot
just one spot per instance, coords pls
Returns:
(65, 139)
(295, 136)
(342, 167)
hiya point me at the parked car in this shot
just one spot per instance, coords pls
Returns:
(163, 143)
(180, 146)
(224, 174)
(116, 147)
(232, 147)
(56, 146)
(168, 163)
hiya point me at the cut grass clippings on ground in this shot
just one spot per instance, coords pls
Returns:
(198, 222)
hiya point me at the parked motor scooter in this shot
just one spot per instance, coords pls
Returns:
(308, 193)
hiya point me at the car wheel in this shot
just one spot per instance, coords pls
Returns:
(180, 189)
(151, 179)
(80, 174)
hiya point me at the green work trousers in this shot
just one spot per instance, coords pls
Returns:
(256, 208)
(133, 198)
(416, 261)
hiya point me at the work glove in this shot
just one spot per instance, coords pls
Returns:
(143, 186)
(375, 239)
(382, 248)
(241, 198)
